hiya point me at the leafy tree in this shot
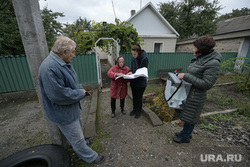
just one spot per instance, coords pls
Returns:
(234, 13)
(78, 25)
(191, 17)
(170, 11)
(83, 23)
(123, 32)
(10, 38)
(52, 27)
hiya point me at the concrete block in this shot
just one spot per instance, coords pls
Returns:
(91, 124)
(91, 129)
(155, 120)
(93, 105)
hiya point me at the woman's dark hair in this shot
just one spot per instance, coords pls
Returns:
(204, 44)
(137, 48)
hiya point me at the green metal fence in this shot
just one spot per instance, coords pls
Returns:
(169, 61)
(85, 67)
(15, 74)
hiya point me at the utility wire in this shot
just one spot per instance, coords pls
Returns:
(113, 8)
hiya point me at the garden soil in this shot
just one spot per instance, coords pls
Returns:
(126, 141)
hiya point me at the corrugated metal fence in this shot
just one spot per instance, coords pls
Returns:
(169, 61)
(85, 67)
(15, 74)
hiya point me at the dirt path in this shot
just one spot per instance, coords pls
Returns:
(134, 142)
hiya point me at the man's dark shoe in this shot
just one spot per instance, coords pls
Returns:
(123, 111)
(181, 140)
(132, 113)
(99, 159)
(113, 115)
(178, 135)
(88, 142)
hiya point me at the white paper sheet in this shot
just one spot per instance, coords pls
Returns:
(141, 72)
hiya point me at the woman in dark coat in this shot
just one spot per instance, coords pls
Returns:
(118, 88)
(202, 74)
(138, 85)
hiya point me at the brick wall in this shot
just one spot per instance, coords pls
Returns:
(226, 45)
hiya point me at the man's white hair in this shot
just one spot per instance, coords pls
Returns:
(63, 43)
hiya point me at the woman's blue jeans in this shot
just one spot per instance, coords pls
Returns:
(74, 133)
(187, 130)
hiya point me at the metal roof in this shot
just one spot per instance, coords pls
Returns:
(233, 25)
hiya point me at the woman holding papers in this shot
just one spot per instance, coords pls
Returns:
(202, 74)
(118, 87)
(138, 85)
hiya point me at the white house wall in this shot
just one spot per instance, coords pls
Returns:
(147, 23)
(168, 45)
(102, 54)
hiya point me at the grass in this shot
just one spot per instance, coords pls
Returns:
(151, 88)
(210, 127)
(225, 101)
(221, 117)
(225, 78)
(245, 110)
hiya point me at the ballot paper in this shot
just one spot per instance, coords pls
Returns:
(141, 72)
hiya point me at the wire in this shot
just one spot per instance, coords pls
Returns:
(113, 8)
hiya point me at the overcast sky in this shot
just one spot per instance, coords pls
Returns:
(102, 10)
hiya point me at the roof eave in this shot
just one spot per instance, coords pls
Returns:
(158, 14)
(158, 35)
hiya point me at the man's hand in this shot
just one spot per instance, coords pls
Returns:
(84, 91)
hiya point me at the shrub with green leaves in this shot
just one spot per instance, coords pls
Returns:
(123, 32)
(158, 104)
(240, 67)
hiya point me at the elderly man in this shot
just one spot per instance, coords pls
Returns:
(61, 95)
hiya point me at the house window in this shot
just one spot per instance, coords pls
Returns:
(157, 48)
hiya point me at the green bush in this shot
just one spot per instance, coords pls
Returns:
(157, 103)
(242, 74)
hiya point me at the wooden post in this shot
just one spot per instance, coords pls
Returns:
(35, 45)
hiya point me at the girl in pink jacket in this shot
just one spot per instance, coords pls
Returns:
(118, 87)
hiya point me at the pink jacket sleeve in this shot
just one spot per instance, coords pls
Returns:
(111, 73)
